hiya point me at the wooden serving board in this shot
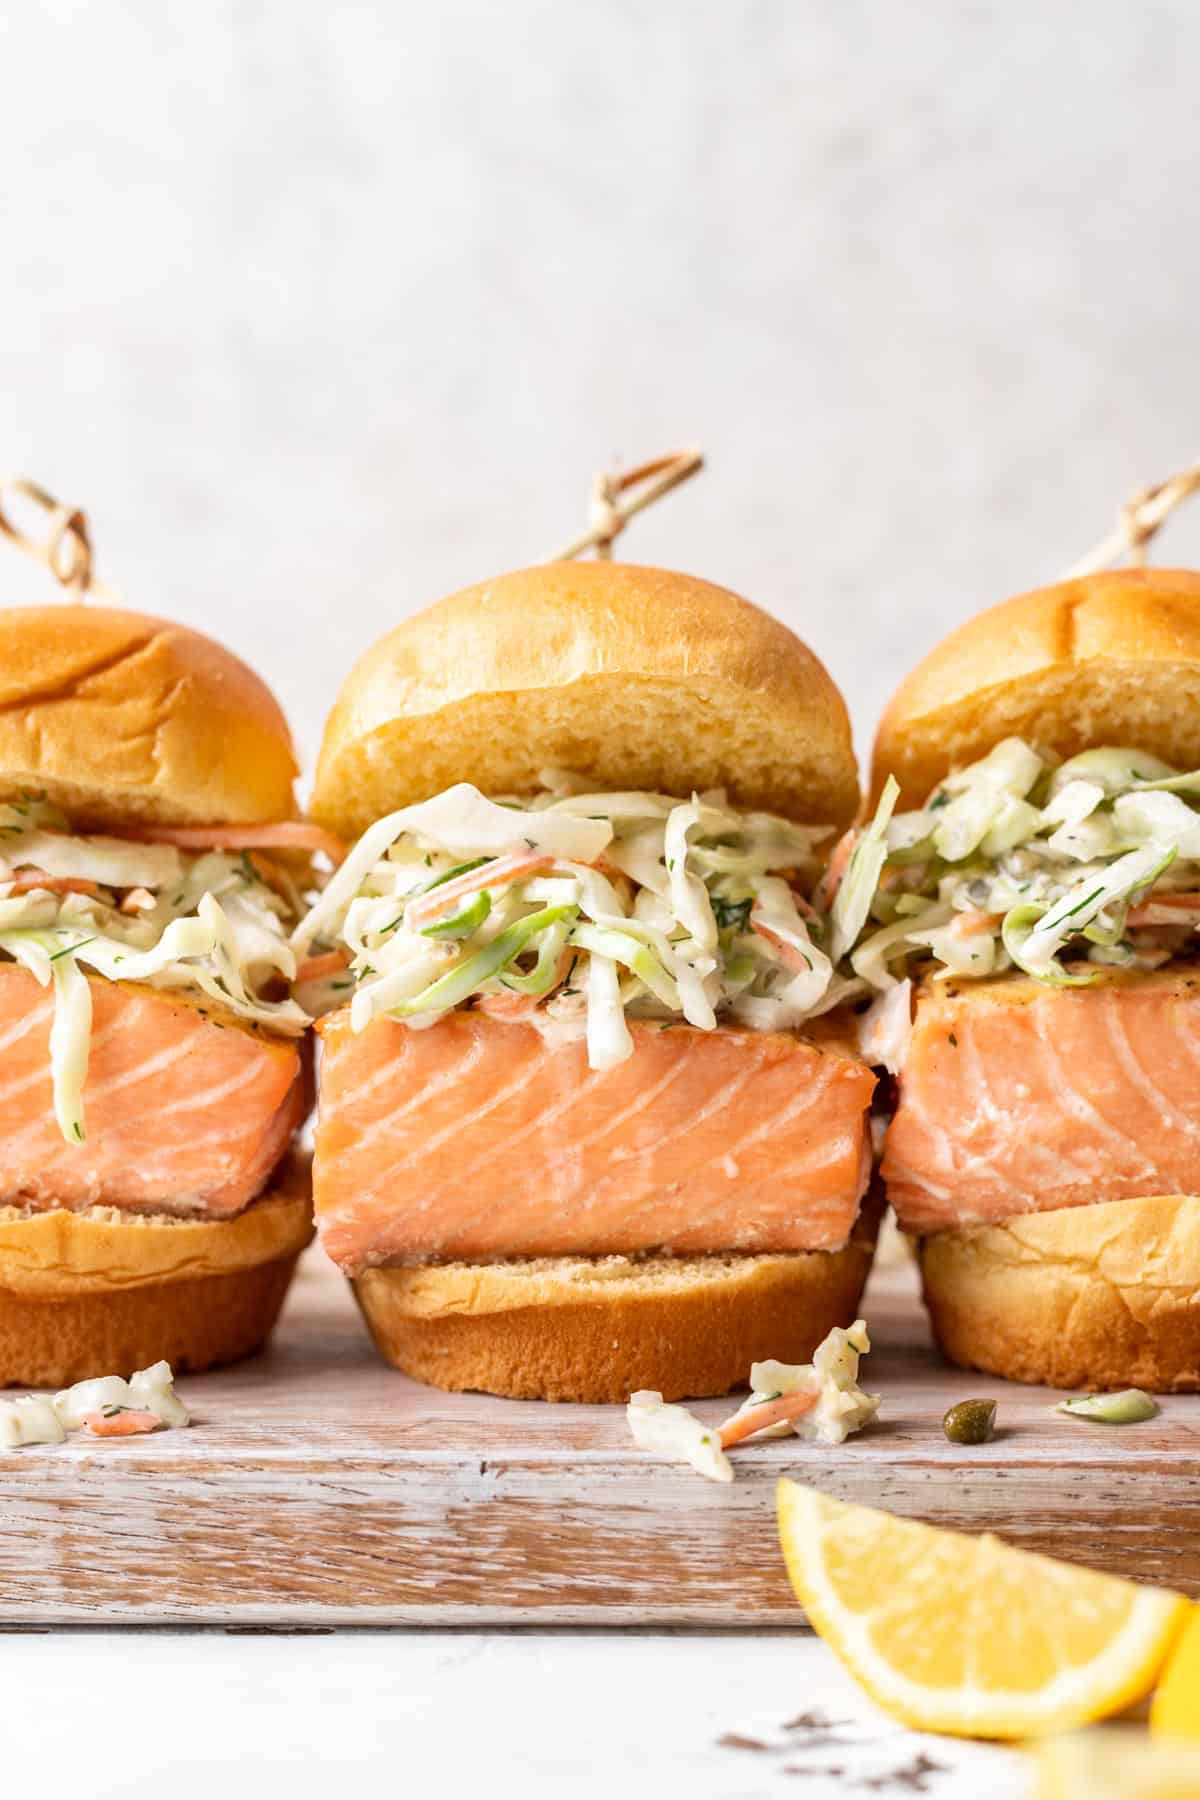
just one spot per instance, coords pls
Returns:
(318, 1488)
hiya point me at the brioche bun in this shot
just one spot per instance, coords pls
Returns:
(105, 1293)
(636, 678)
(596, 1329)
(1107, 659)
(1103, 1296)
(121, 718)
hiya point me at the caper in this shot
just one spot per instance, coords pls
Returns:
(970, 1421)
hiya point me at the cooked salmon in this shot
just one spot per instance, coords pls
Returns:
(475, 1139)
(188, 1110)
(1019, 1097)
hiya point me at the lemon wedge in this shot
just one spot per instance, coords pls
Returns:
(1175, 1711)
(963, 1634)
(1116, 1762)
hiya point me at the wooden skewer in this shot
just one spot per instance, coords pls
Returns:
(616, 498)
(66, 549)
(1142, 515)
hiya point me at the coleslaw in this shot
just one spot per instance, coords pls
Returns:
(577, 911)
(213, 923)
(1019, 861)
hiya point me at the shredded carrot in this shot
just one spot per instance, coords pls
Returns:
(316, 968)
(441, 901)
(1161, 909)
(964, 923)
(121, 1424)
(291, 834)
(29, 881)
(794, 958)
(831, 880)
(602, 866)
(269, 872)
(770, 1412)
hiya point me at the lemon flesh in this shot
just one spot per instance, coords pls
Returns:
(965, 1635)
(1175, 1712)
(1116, 1763)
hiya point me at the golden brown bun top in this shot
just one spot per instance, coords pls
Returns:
(1107, 659)
(636, 678)
(119, 717)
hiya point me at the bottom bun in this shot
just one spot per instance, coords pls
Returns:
(598, 1328)
(105, 1293)
(1104, 1296)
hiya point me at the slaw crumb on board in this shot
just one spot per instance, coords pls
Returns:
(820, 1400)
(104, 1406)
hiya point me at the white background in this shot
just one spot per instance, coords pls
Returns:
(506, 1716)
(326, 309)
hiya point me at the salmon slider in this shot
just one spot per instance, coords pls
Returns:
(1034, 940)
(151, 1069)
(589, 1118)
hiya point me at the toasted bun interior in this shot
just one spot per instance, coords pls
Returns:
(48, 1255)
(103, 1293)
(1104, 1296)
(597, 1329)
(119, 717)
(1108, 659)
(637, 678)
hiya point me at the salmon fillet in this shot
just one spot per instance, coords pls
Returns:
(187, 1109)
(476, 1139)
(1018, 1097)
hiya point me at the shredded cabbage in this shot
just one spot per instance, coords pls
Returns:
(885, 1028)
(462, 823)
(677, 1435)
(608, 1039)
(640, 907)
(208, 923)
(29, 1420)
(852, 902)
(1015, 862)
(70, 1036)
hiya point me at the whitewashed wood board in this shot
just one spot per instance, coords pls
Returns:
(318, 1487)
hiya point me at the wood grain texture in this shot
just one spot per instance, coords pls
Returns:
(318, 1487)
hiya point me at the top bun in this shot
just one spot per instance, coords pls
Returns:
(636, 678)
(121, 718)
(1107, 659)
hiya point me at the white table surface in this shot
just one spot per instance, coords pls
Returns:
(510, 1715)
